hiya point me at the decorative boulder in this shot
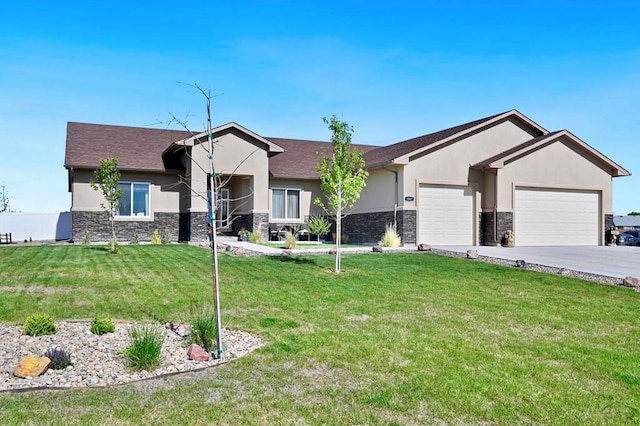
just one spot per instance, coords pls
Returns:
(239, 251)
(632, 282)
(508, 239)
(31, 367)
(424, 247)
(197, 353)
(333, 251)
(377, 249)
(472, 254)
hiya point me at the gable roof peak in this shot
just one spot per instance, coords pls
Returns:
(400, 152)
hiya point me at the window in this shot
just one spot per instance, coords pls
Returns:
(134, 200)
(285, 204)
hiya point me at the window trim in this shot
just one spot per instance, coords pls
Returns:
(286, 218)
(131, 216)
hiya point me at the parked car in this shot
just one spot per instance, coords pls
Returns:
(629, 238)
(625, 239)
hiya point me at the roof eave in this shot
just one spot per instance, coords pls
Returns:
(513, 112)
(201, 137)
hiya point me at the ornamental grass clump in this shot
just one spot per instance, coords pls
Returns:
(60, 358)
(203, 328)
(290, 241)
(255, 237)
(155, 238)
(39, 325)
(102, 326)
(391, 237)
(146, 346)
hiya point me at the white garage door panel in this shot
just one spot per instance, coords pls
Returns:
(553, 217)
(446, 215)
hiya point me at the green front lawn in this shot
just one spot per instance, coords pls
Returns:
(398, 339)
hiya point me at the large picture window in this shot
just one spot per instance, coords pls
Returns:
(134, 200)
(285, 203)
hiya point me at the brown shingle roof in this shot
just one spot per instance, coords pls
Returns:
(385, 154)
(300, 157)
(137, 148)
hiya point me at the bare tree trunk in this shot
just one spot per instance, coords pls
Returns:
(113, 235)
(339, 233)
(214, 241)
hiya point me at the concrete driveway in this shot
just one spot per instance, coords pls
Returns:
(616, 261)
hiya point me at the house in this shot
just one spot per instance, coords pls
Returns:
(627, 223)
(466, 185)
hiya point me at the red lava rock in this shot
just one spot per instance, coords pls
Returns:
(196, 353)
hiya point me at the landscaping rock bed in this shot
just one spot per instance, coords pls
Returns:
(96, 361)
(601, 279)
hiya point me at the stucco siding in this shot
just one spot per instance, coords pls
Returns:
(164, 193)
(449, 164)
(309, 191)
(556, 165)
(379, 194)
(232, 156)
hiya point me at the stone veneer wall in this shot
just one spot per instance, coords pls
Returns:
(252, 222)
(505, 222)
(197, 225)
(369, 227)
(97, 224)
(487, 229)
(407, 226)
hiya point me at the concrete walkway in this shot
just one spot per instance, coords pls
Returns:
(616, 261)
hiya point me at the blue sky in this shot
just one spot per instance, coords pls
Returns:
(392, 69)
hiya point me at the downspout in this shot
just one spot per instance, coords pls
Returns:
(395, 204)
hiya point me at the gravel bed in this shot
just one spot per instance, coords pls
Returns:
(95, 359)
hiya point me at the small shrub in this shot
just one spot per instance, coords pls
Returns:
(134, 239)
(319, 225)
(290, 241)
(155, 238)
(60, 358)
(203, 329)
(86, 238)
(255, 237)
(102, 326)
(39, 325)
(391, 237)
(146, 346)
(165, 237)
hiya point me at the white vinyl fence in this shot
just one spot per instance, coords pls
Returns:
(36, 226)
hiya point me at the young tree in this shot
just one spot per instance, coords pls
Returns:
(4, 200)
(106, 181)
(215, 183)
(342, 177)
(319, 225)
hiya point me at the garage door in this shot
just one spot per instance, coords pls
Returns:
(556, 217)
(446, 215)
